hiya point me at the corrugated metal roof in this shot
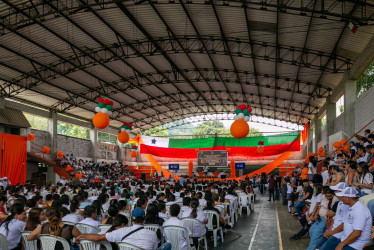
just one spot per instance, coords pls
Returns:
(13, 117)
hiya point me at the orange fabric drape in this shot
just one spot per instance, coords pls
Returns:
(14, 158)
(232, 169)
(304, 133)
(158, 167)
(190, 167)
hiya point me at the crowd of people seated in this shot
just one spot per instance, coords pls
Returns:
(336, 206)
(118, 208)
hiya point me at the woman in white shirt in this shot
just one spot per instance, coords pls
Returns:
(198, 215)
(75, 215)
(366, 178)
(13, 225)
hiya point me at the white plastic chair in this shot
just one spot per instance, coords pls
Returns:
(84, 228)
(49, 242)
(173, 236)
(154, 228)
(29, 244)
(104, 227)
(90, 245)
(230, 213)
(212, 215)
(3, 242)
(127, 246)
(69, 223)
(236, 209)
(244, 203)
(190, 223)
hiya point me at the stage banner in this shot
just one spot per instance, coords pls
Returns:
(213, 158)
(189, 148)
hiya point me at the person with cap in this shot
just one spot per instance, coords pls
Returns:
(334, 232)
(356, 227)
(136, 235)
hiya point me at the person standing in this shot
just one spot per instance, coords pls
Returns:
(271, 183)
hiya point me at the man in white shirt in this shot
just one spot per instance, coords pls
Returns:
(90, 214)
(136, 235)
(175, 221)
(356, 226)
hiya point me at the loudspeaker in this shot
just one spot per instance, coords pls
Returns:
(143, 177)
(263, 175)
(223, 176)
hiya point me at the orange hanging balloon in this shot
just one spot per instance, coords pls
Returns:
(322, 154)
(133, 154)
(320, 149)
(343, 141)
(123, 137)
(336, 144)
(239, 129)
(307, 160)
(346, 148)
(260, 150)
(101, 120)
(310, 154)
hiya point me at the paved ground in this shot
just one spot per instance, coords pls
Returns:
(259, 231)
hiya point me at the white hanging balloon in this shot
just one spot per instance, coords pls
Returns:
(98, 109)
(240, 115)
(123, 129)
(128, 130)
(104, 110)
(236, 117)
(246, 118)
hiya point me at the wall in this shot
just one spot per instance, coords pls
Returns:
(364, 110)
(339, 123)
(78, 147)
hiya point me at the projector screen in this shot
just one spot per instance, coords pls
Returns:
(212, 158)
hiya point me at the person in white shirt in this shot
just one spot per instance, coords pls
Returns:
(162, 213)
(136, 235)
(356, 226)
(333, 233)
(366, 179)
(198, 215)
(325, 174)
(74, 216)
(13, 225)
(90, 214)
(175, 221)
(186, 206)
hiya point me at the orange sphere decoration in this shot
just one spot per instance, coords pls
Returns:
(336, 144)
(101, 120)
(239, 129)
(133, 154)
(260, 150)
(123, 137)
(310, 154)
(343, 141)
(320, 149)
(322, 154)
(346, 148)
(307, 160)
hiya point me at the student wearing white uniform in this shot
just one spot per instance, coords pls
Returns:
(289, 193)
(90, 214)
(12, 227)
(356, 227)
(333, 233)
(175, 221)
(366, 179)
(198, 215)
(325, 174)
(136, 235)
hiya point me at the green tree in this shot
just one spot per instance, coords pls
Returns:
(37, 122)
(156, 131)
(211, 128)
(366, 80)
(254, 132)
(72, 130)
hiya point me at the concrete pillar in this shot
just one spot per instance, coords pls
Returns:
(93, 138)
(317, 129)
(310, 138)
(349, 105)
(330, 117)
(52, 129)
(28, 131)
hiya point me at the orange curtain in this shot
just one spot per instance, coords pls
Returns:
(190, 167)
(232, 169)
(158, 167)
(14, 158)
(304, 133)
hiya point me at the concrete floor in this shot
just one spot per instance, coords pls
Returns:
(263, 222)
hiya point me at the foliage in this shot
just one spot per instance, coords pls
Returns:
(254, 132)
(211, 128)
(365, 80)
(341, 108)
(37, 122)
(105, 137)
(68, 129)
(156, 131)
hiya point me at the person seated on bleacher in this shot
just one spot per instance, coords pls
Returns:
(317, 230)
(136, 235)
(356, 226)
(175, 221)
(308, 192)
(55, 227)
(366, 179)
(90, 218)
